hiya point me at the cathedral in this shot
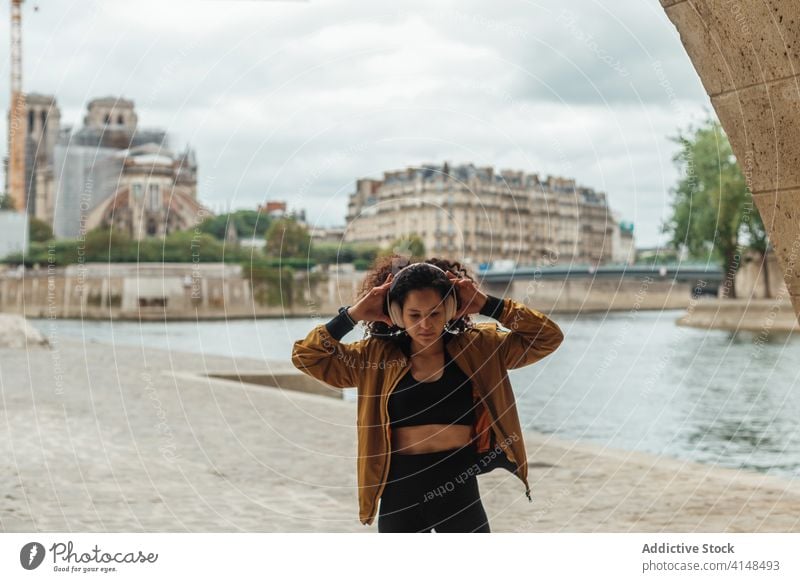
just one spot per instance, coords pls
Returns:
(108, 173)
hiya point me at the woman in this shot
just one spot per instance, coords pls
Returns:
(435, 406)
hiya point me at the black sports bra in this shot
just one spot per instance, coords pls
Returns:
(447, 400)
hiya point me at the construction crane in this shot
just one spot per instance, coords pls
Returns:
(16, 125)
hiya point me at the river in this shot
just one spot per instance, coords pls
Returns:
(631, 380)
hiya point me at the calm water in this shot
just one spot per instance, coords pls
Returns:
(629, 380)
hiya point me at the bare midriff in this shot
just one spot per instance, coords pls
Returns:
(429, 438)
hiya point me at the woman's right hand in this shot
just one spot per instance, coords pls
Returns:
(370, 306)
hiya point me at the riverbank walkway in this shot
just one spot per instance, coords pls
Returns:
(118, 438)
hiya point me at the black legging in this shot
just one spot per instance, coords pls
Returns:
(432, 491)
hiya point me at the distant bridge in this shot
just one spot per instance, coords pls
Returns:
(692, 273)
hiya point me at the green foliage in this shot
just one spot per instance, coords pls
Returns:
(287, 238)
(273, 263)
(58, 252)
(712, 207)
(187, 246)
(278, 284)
(107, 245)
(365, 251)
(335, 253)
(331, 253)
(252, 224)
(39, 231)
(249, 224)
(410, 245)
(270, 284)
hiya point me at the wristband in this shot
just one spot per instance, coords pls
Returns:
(493, 307)
(340, 325)
(343, 311)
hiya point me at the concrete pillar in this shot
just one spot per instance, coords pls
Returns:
(747, 54)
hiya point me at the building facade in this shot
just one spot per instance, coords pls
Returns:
(276, 209)
(152, 196)
(108, 172)
(42, 129)
(483, 216)
(623, 249)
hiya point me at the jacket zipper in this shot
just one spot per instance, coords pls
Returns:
(387, 455)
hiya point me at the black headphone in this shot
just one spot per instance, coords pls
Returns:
(396, 311)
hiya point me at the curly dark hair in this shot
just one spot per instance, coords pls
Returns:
(382, 267)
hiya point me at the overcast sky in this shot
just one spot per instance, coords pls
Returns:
(296, 100)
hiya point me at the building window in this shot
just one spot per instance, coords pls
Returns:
(137, 191)
(154, 197)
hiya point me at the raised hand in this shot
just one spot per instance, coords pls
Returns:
(370, 306)
(470, 298)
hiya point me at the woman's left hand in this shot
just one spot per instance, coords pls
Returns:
(470, 298)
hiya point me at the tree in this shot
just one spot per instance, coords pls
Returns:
(712, 208)
(329, 253)
(287, 239)
(251, 223)
(759, 241)
(40, 231)
(104, 244)
(248, 223)
(410, 246)
(183, 246)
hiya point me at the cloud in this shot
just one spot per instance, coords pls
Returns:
(298, 100)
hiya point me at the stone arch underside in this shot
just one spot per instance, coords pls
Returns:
(747, 54)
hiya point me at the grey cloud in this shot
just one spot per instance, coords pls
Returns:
(269, 93)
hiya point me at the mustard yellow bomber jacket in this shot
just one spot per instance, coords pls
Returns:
(484, 353)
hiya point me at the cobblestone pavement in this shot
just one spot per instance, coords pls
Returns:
(118, 438)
